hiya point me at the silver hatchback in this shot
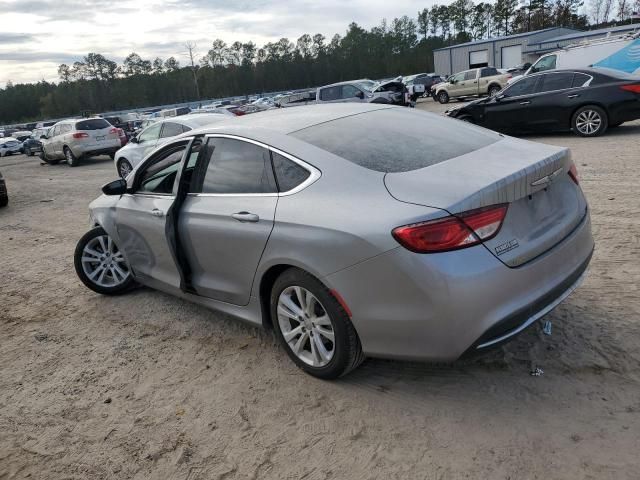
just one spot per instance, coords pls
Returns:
(74, 140)
(424, 239)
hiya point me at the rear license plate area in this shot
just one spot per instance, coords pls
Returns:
(100, 138)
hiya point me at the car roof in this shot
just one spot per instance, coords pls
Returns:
(288, 120)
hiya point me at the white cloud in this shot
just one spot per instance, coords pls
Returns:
(38, 35)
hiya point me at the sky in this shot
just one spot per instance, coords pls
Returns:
(38, 35)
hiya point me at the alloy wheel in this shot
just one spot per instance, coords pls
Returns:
(588, 122)
(306, 326)
(103, 263)
(124, 168)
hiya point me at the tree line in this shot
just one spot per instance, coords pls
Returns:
(403, 46)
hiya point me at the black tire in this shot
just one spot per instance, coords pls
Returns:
(347, 353)
(442, 96)
(27, 151)
(72, 160)
(89, 283)
(4, 201)
(123, 163)
(586, 111)
(493, 90)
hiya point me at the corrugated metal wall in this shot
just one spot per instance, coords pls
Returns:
(456, 59)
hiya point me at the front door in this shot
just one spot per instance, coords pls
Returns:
(509, 111)
(227, 217)
(142, 218)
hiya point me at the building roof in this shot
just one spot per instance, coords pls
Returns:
(497, 39)
(591, 33)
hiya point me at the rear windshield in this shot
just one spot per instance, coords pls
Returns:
(396, 139)
(93, 124)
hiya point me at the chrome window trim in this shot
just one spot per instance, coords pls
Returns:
(314, 173)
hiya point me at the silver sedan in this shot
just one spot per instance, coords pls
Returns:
(352, 230)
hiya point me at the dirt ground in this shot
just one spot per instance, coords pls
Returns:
(146, 386)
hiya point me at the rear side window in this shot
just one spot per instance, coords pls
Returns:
(288, 173)
(65, 128)
(235, 166)
(185, 128)
(555, 81)
(170, 129)
(92, 124)
(488, 72)
(580, 80)
(395, 139)
(331, 93)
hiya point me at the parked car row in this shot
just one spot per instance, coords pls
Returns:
(587, 101)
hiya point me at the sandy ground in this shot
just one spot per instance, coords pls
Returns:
(146, 386)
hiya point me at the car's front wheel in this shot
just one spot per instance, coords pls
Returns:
(443, 97)
(589, 121)
(100, 264)
(72, 160)
(124, 167)
(313, 326)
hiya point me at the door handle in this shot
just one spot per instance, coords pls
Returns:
(157, 213)
(573, 96)
(525, 103)
(245, 217)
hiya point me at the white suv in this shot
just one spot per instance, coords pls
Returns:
(75, 139)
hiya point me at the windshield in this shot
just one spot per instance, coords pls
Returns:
(366, 85)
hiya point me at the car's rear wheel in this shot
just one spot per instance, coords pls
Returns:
(124, 167)
(100, 264)
(4, 200)
(27, 151)
(72, 160)
(313, 327)
(589, 121)
(493, 90)
(443, 97)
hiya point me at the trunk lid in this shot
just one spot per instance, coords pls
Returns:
(545, 204)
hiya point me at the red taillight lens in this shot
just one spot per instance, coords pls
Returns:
(631, 88)
(453, 232)
(573, 173)
(114, 130)
(80, 135)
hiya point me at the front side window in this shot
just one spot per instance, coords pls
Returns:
(525, 86)
(56, 131)
(288, 173)
(150, 134)
(349, 91)
(545, 63)
(470, 75)
(170, 129)
(555, 81)
(235, 166)
(457, 77)
(159, 175)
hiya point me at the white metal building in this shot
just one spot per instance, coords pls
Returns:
(499, 52)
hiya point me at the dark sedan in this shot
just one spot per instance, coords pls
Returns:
(587, 101)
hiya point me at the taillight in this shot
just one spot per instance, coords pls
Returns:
(573, 173)
(631, 88)
(80, 135)
(452, 232)
(114, 130)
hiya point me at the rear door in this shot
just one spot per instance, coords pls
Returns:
(142, 218)
(555, 100)
(227, 217)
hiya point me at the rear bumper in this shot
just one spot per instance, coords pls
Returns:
(93, 151)
(437, 307)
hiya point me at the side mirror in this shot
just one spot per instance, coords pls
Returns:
(117, 187)
(526, 66)
(360, 95)
(43, 137)
(134, 139)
